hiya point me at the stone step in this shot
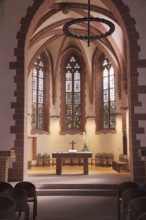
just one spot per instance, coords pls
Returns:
(76, 189)
(75, 186)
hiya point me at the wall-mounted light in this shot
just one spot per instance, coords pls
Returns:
(90, 116)
(124, 108)
(54, 116)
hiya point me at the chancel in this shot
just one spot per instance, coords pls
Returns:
(67, 67)
(72, 97)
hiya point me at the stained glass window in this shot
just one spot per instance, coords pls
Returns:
(73, 95)
(38, 95)
(108, 95)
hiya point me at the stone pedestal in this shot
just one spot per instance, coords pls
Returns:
(4, 156)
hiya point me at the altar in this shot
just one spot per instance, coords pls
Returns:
(61, 155)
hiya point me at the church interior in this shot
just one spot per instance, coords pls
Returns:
(72, 82)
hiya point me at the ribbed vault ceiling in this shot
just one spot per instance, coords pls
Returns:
(49, 30)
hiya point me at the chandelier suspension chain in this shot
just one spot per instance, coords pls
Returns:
(88, 23)
(88, 19)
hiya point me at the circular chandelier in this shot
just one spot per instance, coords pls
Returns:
(88, 37)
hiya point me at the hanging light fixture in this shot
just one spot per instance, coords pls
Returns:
(88, 37)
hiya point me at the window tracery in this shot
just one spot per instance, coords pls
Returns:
(38, 112)
(108, 95)
(72, 93)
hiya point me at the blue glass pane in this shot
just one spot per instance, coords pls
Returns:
(68, 98)
(40, 97)
(69, 110)
(105, 63)
(76, 66)
(69, 123)
(112, 120)
(77, 76)
(77, 123)
(68, 76)
(41, 74)
(41, 63)
(34, 72)
(41, 84)
(111, 72)
(68, 86)
(68, 66)
(111, 81)
(34, 116)
(77, 110)
(105, 83)
(112, 94)
(105, 95)
(34, 96)
(77, 86)
(34, 83)
(106, 108)
(105, 72)
(106, 121)
(77, 98)
(40, 116)
(112, 107)
(72, 59)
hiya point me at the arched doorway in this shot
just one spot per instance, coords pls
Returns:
(32, 20)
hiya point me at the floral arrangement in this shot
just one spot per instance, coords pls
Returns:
(85, 144)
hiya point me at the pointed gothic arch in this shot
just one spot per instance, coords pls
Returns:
(28, 24)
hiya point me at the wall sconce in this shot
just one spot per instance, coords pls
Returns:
(124, 108)
(64, 8)
(54, 116)
(90, 116)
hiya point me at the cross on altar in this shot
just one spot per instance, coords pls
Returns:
(72, 143)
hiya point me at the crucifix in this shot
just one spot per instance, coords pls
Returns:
(72, 143)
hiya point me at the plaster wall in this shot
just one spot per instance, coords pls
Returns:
(9, 25)
(109, 143)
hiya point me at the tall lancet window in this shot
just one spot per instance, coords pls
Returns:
(38, 95)
(108, 95)
(73, 95)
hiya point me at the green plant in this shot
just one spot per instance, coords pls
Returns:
(85, 147)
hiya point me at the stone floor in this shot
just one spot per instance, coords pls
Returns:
(76, 207)
(74, 174)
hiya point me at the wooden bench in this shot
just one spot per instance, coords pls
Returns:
(121, 165)
(102, 159)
